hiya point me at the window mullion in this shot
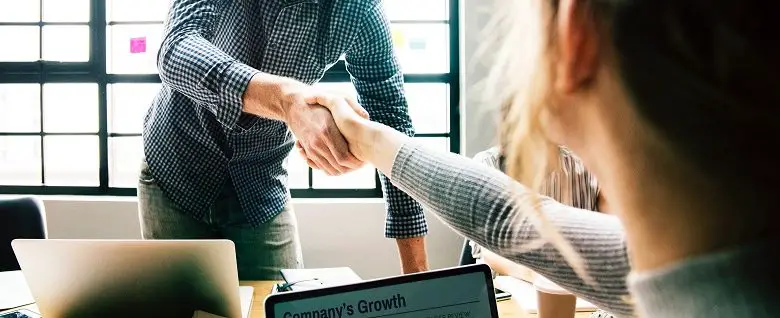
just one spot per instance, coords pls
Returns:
(98, 69)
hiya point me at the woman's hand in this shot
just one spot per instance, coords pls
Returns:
(368, 141)
(351, 119)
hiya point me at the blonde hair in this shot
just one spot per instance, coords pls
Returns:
(520, 78)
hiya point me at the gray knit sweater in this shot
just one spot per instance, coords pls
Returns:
(484, 205)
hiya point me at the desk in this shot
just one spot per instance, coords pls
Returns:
(506, 309)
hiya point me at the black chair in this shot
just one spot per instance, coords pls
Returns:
(19, 218)
(465, 254)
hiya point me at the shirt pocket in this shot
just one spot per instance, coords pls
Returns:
(293, 49)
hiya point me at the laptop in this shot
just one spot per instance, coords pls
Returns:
(132, 278)
(465, 291)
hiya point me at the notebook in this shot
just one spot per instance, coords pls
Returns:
(13, 290)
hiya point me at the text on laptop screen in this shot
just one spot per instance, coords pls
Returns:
(460, 296)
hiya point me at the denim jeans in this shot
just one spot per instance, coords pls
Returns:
(260, 251)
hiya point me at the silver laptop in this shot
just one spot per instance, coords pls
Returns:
(132, 278)
(465, 291)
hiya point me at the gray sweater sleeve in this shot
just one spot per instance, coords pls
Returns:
(485, 206)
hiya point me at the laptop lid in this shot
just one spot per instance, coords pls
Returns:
(131, 278)
(465, 291)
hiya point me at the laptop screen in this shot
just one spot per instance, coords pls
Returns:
(461, 292)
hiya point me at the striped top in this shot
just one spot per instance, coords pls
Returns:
(486, 206)
(572, 184)
(572, 171)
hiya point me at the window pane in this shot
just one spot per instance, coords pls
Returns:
(70, 107)
(428, 103)
(428, 107)
(298, 171)
(124, 161)
(20, 107)
(71, 160)
(423, 10)
(422, 48)
(65, 10)
(132, 49)
(435, 143)
(66, 43)
(136, 10)
(127, 106)
(19, 11)
(20, 160)
(360, 179)
(20, 43)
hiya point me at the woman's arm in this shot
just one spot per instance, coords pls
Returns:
(486, 206)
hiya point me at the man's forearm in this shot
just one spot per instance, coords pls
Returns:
(270, 96)
(413, 255)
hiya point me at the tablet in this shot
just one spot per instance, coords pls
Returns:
(459, 292)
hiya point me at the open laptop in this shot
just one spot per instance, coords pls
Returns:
(132, 278)
(460, 292)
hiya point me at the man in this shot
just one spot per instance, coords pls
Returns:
(570, 184)
(216, 138)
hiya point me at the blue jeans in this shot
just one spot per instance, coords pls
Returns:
(260, 251)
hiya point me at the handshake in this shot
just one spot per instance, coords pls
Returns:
(330, 130)
(333, 132)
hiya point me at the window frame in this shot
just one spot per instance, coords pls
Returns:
(95, 71)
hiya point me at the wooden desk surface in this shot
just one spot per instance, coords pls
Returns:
(506, 309)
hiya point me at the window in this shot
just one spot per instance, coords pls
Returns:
(77, 76)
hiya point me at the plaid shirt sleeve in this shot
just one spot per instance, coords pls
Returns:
(378, 80)
(191, 65)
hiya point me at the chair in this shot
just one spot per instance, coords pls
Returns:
(22, 217)
(465, 254)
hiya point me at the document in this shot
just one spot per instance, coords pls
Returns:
(461, 296)
(13, 290)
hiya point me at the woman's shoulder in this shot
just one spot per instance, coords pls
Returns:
(489, 157)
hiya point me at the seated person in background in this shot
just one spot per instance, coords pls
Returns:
(572, 185)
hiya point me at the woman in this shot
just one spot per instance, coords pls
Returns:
(671, 104)
(570, 184)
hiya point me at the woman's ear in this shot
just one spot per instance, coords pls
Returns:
(577, 46)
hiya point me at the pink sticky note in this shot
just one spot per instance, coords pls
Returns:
(138, 45)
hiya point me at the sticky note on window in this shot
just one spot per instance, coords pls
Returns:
(138, 45)
(418, 44)
(399, 40)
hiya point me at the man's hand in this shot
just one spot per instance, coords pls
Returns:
(319, 138)
(351, 120)
(283, 99)
(311, 99)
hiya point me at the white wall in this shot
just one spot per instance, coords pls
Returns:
(333, 232)
(479, 123)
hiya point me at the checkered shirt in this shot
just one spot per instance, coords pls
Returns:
(196, 137)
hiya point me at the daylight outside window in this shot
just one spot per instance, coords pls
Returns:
(76, 83)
